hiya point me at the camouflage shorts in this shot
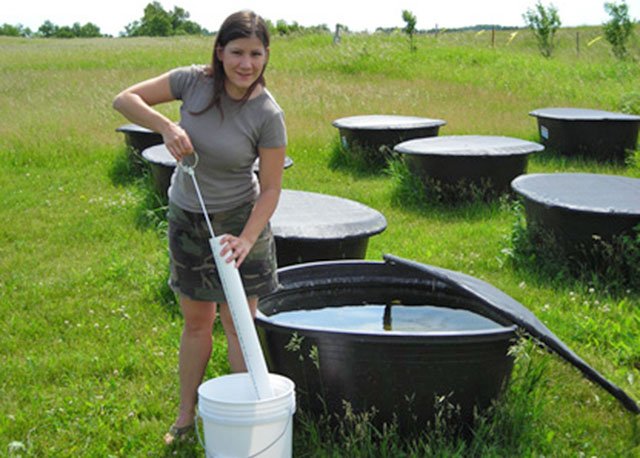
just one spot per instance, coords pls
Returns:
(193, 270)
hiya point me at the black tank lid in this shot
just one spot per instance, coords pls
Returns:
(310, 215)
(582, 114)
(468, 145)
(587, 192)
(505, 306)
(386, 122)
(135, 128)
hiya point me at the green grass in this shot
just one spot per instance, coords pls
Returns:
(90, 330)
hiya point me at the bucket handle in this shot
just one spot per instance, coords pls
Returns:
(206, 452)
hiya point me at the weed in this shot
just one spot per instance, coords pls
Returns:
(506, 429)
(612, 266)
(414, 191)
(360, 159)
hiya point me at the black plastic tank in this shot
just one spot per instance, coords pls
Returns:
(400, 373)
(139, 138)
(309, 226)
(580, 208)
(458, 163)
(162, 165)
(376, 135)
(585, 132)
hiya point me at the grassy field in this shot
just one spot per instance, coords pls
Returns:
(90, 331)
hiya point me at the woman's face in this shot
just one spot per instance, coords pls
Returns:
(243, 60)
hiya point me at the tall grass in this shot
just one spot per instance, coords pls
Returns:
(90, 331)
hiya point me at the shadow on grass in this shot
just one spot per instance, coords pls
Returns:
(127, 168)
(358, 162)
(462, 202)
(552, 159)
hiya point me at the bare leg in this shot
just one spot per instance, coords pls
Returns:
(234, 353)
(195, 350)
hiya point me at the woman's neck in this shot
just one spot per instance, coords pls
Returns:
(234, 94)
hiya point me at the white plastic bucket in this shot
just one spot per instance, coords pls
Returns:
(238, 425)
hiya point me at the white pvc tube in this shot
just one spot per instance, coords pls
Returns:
(243, 322)
(237, 302)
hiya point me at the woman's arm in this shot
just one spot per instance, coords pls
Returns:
(136, 104)
(270, 173)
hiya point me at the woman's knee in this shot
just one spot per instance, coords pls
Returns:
(198, 315)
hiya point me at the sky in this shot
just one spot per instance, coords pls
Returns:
(358, 15)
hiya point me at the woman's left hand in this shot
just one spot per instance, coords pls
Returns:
(235, 249)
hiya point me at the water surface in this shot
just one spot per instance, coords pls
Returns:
(418, 319)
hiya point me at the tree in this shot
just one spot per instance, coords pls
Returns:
(157, 22)
(89, 30)
(9, 30)
(544, 22)
(64, 32)
(182, 25)
(131, 29)
(47, 29)
(410, 27)
(619, 28)
(283, 28)
(15, 30)
(50, 30)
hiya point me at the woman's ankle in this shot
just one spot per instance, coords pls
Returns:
(185, 419)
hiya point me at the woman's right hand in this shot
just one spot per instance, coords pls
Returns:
(177, 141)
(136, 104)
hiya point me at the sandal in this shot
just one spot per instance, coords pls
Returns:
(178, 433)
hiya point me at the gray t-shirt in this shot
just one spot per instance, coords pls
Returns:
(227, 145)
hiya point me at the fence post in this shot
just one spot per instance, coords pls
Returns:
(336, 35)
(493, 37)
(578, 43)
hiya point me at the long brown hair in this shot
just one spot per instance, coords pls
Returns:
(243, 24)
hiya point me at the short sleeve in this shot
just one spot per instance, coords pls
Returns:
(181, 79)
(274, 132)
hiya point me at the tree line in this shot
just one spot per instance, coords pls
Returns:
(543, 20)
(49, 30)
(155, 22)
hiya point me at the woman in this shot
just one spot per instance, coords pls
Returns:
(230, 119)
